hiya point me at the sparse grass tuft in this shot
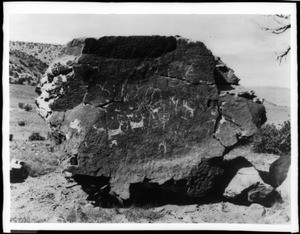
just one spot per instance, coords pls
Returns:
(21, 105)
(40, 163)
(273, 140)
(21, 123)
(77, 215)
(137, 214)
(35, 136)
(26, 107)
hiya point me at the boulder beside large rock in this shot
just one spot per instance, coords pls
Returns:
(263, 194)
(244, 179)
(144, 107)
(247, 187)
(279, 170)
(285, 188)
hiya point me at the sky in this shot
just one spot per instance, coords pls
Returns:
(237, 39)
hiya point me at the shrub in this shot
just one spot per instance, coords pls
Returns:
(273, 140)
(57, 137)
(21, 105)
(28, 107)
(20, 81)
(21, 123)
(136, 214)
(35, 136)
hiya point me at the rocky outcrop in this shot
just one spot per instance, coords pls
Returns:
(144, 111)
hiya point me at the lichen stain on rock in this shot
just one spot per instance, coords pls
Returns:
(144, 107)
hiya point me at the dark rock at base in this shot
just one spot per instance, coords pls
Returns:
(263, 194)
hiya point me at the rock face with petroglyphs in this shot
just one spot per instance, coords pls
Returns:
(145, 110)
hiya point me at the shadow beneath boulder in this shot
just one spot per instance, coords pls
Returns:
(98, 190)
(205, 184)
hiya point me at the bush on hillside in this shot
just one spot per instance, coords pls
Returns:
(26, 107)
(21, 123)
(273, 140)
(21, 105)
(35, 136)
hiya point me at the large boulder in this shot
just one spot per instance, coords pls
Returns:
(143, 107)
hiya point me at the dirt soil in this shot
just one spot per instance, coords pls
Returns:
(48, 196)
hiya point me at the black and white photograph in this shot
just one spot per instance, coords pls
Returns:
(150, 116)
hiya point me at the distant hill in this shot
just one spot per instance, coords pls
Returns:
(277, 102)
(47, 53)
(276, 95)
(277, 114)
(25, 68)
(28, 61)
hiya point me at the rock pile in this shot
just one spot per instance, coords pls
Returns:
(151, 117)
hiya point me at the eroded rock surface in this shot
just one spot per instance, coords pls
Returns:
(142, 107)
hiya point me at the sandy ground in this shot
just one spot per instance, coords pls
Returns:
(47, 197)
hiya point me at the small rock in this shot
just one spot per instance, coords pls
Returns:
(187, 219)
(225, 208)
(256, 210)
(88, 206)
(159, 209)
(19, 171)
(68, 174)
